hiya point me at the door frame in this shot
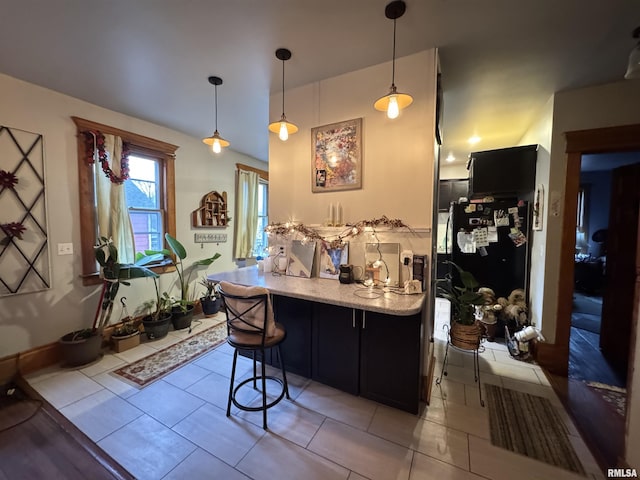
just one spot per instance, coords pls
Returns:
(555, 357)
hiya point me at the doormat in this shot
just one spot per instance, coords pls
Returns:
(157, 365)
(529, 425)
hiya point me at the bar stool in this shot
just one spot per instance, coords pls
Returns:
(251, 326)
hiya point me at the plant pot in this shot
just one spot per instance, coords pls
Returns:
(78, 350)
(466, 337)
(210, 306)
(490, 331)
(122, 343)
(182, 319)
(156, 329)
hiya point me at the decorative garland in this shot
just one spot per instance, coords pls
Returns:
(352, 230)
(95, 140)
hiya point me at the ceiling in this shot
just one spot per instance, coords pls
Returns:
(501, 60)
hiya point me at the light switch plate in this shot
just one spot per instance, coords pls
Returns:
(65, 249)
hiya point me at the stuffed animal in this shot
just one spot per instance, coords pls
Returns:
(486, 313)
(514, 308)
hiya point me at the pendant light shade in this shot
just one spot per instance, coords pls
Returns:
(283, 127)
(633, 68)
(394, 101)
(216, 142)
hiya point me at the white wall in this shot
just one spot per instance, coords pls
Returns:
(34, 319)
(398, 154)
(607, 105)
(453, 171)
(539, 133)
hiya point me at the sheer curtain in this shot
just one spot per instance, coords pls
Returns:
(112, 212)
(246, 213)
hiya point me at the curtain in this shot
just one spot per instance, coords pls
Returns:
(112, 212)
(246, 213)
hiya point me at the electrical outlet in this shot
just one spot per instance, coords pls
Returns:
(406, 257)
(281, 250)
(65, 249)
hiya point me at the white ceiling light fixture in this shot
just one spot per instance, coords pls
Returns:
(633, 68)
(474, 139)
(216, 141)
(283, 127)
(394, 101)
(450, 158)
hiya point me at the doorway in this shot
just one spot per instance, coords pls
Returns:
(606, 437)
(597, 357)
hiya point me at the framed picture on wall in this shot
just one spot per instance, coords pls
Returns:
(336, 156)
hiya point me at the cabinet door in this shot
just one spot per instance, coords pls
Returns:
(335, 346)
(390, 360)
(295, 315)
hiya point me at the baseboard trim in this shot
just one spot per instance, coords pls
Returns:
(553, 357)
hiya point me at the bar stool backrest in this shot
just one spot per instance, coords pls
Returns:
(248, 309)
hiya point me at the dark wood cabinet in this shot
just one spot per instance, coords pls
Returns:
(390, 359)
(295, 315)
(371, 354)
(335, 352)
(450, 191)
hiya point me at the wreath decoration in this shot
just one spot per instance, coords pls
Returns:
(94, 140)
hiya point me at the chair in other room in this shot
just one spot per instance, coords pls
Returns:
(251, 327)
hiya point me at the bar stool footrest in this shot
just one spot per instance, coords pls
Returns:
(247, 408)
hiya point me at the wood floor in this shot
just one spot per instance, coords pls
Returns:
(36, 441)
(601, 427)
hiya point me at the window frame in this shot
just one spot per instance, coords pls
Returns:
(140, 145)
(263, 177)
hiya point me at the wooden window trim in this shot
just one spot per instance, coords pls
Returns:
(263, 174)
(138, 144)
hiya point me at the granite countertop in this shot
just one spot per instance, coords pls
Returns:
(326, 290)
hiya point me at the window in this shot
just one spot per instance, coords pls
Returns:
(252, 209)
(152, 206)
(144, 201)
(261, 242)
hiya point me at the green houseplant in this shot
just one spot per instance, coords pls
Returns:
(210, 300)
(83, 346)
(462, 292)
(182, 307)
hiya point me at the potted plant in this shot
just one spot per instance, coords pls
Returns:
(157, 321)
(182, 308)
(461, 291)
(83, 346)
(126, 335)
(210, 301)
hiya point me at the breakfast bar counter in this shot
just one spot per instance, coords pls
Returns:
(326, 290)
(359, 340)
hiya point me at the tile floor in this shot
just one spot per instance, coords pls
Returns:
(176, 427)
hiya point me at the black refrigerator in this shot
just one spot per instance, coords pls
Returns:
(492, 241)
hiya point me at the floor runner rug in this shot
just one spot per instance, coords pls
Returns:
(529, 425)
(159, 364)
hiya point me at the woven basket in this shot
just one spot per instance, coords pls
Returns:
(466, 337)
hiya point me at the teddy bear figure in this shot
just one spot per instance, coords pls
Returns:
(514, 309)
(486, 313)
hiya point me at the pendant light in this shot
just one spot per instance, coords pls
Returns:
(215, 140)
(633, 69)
(282, 127)
(394, 101)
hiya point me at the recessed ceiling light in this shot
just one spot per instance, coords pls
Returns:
(474, 139)
(450, 158)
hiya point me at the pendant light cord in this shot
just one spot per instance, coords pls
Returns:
(282, 88)
(393, 62)
(216, 97)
